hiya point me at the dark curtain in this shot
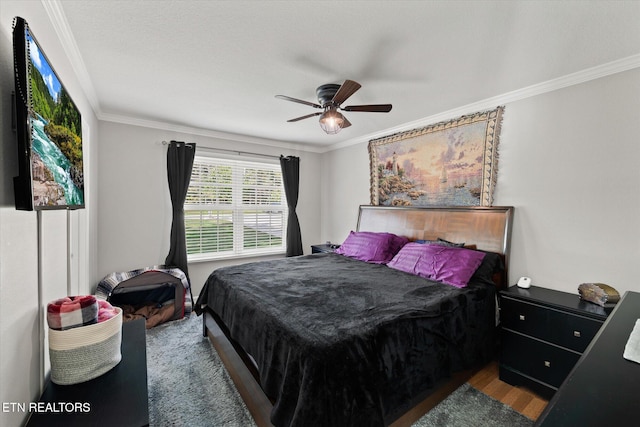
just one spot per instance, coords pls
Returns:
(291, 179)
(179, 164)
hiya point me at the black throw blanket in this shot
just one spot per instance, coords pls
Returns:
(340, 342)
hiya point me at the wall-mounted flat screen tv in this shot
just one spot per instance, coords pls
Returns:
(49, 131)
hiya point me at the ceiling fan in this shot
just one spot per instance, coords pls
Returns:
(330, 97)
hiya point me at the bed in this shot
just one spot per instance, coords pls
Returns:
(326, 339)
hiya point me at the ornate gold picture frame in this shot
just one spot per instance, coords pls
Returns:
(451, 163)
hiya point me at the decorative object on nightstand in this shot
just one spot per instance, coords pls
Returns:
(544, 333)
(598, 293)
(327, 247)
(524, 282)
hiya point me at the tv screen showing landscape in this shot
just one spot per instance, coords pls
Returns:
(54, 134)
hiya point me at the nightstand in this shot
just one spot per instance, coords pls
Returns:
(544, 333)
(323, 248)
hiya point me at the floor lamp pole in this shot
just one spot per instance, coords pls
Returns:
(40, 304)
(69, 291)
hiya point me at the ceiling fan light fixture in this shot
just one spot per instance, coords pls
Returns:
(330, 98)
(331, 121)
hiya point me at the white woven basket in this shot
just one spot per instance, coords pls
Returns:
(84, 353)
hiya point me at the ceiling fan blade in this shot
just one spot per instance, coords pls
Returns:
(346, 123)
(348, 88)
(304, 117)
(376, 108)
(299, 101)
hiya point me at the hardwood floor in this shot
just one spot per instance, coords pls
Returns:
(526, 402)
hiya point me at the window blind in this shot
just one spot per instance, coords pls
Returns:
(234, 208)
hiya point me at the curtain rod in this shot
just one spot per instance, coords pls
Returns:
(223, 150)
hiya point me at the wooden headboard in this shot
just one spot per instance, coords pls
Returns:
(489, 228)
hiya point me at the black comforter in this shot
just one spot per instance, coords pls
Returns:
(340, 342)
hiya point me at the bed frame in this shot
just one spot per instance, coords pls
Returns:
(488, 228)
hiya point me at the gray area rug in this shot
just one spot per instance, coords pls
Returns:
(189, 386)
(469, 407)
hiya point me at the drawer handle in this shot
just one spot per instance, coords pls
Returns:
(547, 364)
(576, 334)
(521, 317)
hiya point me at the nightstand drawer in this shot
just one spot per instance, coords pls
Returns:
(564, 329)
(542, 361)
(524, 317)
(577, 333)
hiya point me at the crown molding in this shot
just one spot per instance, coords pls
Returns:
(610, 68)
(58, 19)
(227, 136)
(576, 78)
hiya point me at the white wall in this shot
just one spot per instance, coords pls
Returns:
(570, 166)
(568, 163)
(134, 202)
(345, 186)
(20, 355)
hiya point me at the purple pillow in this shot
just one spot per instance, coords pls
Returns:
(450, 265)
(369, 246)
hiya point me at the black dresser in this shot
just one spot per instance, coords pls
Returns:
(603, 387)
(544, 333)
(117, 398)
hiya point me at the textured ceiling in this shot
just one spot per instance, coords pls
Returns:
(217, 65)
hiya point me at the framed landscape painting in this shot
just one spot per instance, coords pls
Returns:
(451, 163)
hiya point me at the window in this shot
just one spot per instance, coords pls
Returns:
(234, 208)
